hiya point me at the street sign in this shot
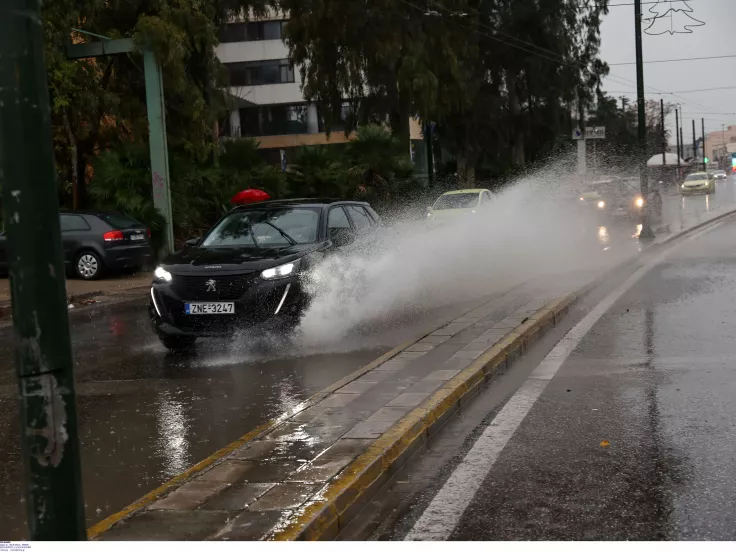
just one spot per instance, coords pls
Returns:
(591, 133)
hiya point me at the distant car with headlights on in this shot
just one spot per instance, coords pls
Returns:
(613, 197)
(248, 270)
(720, 175)
(698, 183)
(458, 203)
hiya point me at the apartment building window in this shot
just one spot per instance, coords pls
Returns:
(255, 73)
(274, 120)
(250, 32)
(347, 111)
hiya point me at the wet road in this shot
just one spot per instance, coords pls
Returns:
(146, 415)
(625, 430)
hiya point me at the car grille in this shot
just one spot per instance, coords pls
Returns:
(226, 287)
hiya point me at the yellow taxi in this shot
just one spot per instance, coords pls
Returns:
(698, 182)
(458, 203)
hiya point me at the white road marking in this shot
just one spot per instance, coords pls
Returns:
(443, 514)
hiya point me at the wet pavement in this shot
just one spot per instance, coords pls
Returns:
(630, 437)
(147, 415)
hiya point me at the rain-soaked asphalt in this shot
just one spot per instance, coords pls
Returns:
(146, 415)
(634, 438)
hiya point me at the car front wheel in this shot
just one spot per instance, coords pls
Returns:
(88, 265)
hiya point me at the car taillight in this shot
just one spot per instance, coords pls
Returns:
(149, 233)
(115, 235)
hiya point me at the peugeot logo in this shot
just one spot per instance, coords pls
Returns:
(211, 285)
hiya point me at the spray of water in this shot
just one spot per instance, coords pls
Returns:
(535, 230)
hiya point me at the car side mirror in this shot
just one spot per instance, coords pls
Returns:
(341, 236)
(194, 242)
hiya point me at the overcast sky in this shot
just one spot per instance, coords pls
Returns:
(716, 38)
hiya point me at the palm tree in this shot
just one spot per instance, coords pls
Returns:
(376, 161)
(317, 172)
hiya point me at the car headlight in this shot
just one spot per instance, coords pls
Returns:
(601, 204)
(279, 271)
(639, 202)
(161, 275)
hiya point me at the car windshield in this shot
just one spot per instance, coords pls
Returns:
(119, 221)
(265, 228)
(456, 201)
(696, 177)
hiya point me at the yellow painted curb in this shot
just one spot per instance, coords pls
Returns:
(350, 490)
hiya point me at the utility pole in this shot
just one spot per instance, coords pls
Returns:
(664, 134)
(428, 140)
(705, 165)
(646, 229)
(677, 137)
(682, 139)
(43, 354)
(695, 143)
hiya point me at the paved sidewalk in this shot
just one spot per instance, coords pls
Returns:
(252, 489)
(83, 289)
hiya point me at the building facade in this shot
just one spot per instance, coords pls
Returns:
(717, 143)
(265, 90)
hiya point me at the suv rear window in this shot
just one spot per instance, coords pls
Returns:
(120, 222)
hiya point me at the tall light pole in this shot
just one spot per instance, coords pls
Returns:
(43, 355)
(646, 229)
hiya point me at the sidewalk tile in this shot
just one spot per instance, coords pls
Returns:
(375, 376)
(411, 355)
(356, 387)
(423, 387)
(337, 400)
(368, 430)
(263, 472)
(285, 496)
(228, 471)
(441, 375)
(237, 497)
(409, 399)
(393, 365)
(467, 355)
(250, 525)
(420, 347)
(434, 339)
(331, 462)
(389, 414)
(189, 496)
(167, 525)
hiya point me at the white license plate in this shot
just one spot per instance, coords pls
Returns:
(137, 237)
(209, 308)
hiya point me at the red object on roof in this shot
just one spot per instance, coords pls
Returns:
(249, 196)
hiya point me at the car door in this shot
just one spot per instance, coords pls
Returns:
(74, 230)
(339, 229)
(363, 223)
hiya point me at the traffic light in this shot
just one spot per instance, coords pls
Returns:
(705, 160)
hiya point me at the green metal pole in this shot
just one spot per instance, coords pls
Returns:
(50, 447)
(646, 229)
(157, 142)
(428, 140)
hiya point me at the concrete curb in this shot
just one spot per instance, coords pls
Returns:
(346, 495)
(349, 492)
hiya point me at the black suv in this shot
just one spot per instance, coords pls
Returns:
(247, 270)
(95, 242)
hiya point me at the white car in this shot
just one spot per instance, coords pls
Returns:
(720, 175)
